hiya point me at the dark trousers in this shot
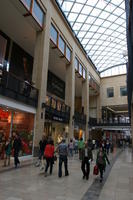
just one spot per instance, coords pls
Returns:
(101, 169)
(16, 160)
(61, 160)
(49, 162)
(85, 167)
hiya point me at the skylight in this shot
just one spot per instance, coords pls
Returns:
(100, 26)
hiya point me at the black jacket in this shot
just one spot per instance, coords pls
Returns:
(17, 144)
(89, 157)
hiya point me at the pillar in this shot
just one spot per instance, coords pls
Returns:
(98, 109)
(39, 77)
(132, 124)
(70, 93)
(85, 102)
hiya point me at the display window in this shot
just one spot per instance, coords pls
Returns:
(19, 122)
(53, 103)
(58, 105)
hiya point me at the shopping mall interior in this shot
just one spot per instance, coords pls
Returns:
(66, 73)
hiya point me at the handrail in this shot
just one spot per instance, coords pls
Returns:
(17, 88)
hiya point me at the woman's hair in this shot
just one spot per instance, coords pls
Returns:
(51, 142)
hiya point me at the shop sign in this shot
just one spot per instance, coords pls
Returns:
(57, 119)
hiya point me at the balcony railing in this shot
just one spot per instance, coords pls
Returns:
(79, 118)
(17, 89)
(56, 110)
(93, 122)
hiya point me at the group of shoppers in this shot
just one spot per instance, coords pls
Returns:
(11, 146)
(47, 152)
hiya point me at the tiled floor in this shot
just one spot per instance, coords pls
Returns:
(29, 184)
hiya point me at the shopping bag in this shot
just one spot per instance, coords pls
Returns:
(95, 170)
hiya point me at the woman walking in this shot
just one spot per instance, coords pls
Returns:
(8, 149)
(49, 155)
(101, 162)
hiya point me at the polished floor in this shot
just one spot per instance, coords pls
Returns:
(28, 183)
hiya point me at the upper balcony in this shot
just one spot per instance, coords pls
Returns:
(56, 110)
(15, 88)
(108, 123)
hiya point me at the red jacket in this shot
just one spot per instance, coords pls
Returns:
(49, 151)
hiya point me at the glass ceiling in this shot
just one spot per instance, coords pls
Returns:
(100, 25)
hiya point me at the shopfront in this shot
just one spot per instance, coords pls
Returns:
(12, 120)
(57, 116)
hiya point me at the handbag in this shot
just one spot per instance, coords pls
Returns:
(95, 170)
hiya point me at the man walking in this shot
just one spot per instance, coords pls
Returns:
(63, 153)
(16, 146)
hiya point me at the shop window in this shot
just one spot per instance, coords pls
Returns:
(63, 107)
(21, 63)
(48, 101)
(110, 92)
(61, 44)
(76, 64)
(123, 91)
(38, 13)
(27, 3)
(53, 34)
(53, 104)
(68, 53)
(80, 69)
(58, 105)
(19, 122)
(84, 73)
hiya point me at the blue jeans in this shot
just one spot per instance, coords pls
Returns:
(71, 152)
(61, 160)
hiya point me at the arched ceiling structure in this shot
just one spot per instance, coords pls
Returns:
(100, 26)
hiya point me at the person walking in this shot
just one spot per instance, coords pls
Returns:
(76, 146)
(16, 147)
(86, 157)
(101, 162)
(80, 147)
(8, 149)
(42, 145)
(71, 147)
(63, 153)
(107, 147)
(49, 155)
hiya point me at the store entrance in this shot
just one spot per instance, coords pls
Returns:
(56, 130)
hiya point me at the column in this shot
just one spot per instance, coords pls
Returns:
(132, 124)
(98, 109)
(85, 102)
(39, 77)
(70, 93)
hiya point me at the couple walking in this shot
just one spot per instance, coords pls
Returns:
(49, 155)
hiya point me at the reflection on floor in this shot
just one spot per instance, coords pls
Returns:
(29, 184)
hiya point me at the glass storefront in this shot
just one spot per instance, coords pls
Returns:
(57, 131)
(16, 121)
